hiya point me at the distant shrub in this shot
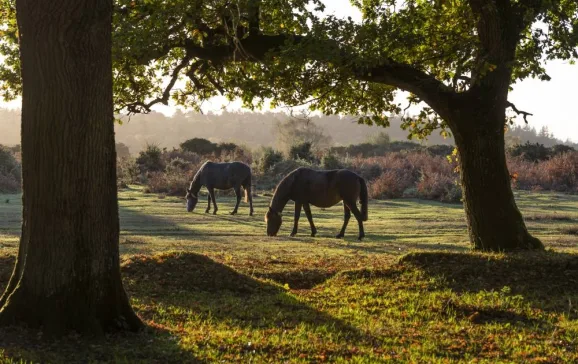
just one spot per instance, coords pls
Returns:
(559, 173)
(199, 146)
(560, 149)
(122, 150)
(150, 159)
(531, 152)
(10, 171)
(439, 186)
(440, 149)
(283, 168)
(173, 183)
(330, 161)
(302, 151)
(269, 157)
(127, 171)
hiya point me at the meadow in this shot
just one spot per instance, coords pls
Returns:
(215, 288)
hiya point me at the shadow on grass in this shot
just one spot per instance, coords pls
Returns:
(197, 284)
(153, 345)
(545, 280)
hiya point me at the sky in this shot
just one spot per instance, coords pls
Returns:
(553, 103)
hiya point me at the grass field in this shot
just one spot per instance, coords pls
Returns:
(217, 289)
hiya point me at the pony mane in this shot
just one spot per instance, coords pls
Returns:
(282, 190)
(195, 185)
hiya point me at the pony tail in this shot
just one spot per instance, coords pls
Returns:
(247, 187)
(363, 198)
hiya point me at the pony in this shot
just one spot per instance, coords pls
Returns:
(222, 176)
(323, 188)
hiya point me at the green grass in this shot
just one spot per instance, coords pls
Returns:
(217, 289)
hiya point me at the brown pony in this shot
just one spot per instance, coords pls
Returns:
(306, 186)
(222, 176)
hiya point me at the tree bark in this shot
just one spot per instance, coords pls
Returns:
(67, 275)
(494, 220)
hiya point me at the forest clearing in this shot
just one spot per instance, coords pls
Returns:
(215, 288)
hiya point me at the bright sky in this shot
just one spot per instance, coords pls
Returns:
(553, 103)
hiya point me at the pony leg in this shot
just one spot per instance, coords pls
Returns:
(209, 205)
(307, 209)
(238, 194)
(358, 217)
(296, 218)
(346, 217)
(212, 195)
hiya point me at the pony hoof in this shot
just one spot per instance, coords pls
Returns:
(313, 235)
(206, 211)
(339, 236)
(360, 237)
(233, 212)
(292, 235)
(214, 212)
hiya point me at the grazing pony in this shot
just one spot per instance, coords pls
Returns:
(306, 186)
(222, 176)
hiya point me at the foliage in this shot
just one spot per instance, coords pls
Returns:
(10, 171)
(122, 150)
(302, 151)
(200, 146)
(532, 152)
(331, 161)
(300, 131)
(538, 152)
(269, 157)
(559, 173)
(149, 160)
(127, 171)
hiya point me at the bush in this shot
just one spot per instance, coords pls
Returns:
(127, 171)
(10, 171)
(122, 150)
(560, 149)
(150, 159)
(269, 157)
(441, 150)
(559, 173)
(439, 186)
(531, 152)
(199, 146)
(330, 161)
(302, 151)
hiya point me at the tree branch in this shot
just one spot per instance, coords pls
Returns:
(519, 112)
(138, 106)
(254, 48)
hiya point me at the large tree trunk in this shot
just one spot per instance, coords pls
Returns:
(494, 221)
(67, 275)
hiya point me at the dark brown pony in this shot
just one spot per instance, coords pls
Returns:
(222, 176)
(307, 187)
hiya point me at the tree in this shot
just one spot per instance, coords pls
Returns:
(457, 59)
(298, 131)
(122, 150)
(67, 274)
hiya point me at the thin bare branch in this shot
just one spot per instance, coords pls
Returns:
(519, 112)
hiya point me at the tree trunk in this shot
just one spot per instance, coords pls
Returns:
(67, 275)
(494, 221)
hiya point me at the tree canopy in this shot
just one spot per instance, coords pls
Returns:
(291, 53)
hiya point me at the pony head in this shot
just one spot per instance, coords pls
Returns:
(191, 200)
(273, 220)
